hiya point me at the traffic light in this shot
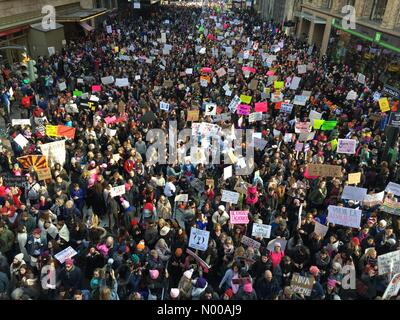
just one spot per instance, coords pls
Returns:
(32, 70)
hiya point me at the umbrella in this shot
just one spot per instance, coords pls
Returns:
(148, 117)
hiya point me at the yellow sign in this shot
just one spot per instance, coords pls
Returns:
(333, 143)
(116, 49)
(384, 104)
(354, 178)
(43, 174)
(279, 84)
(51, 131)
(245, 99)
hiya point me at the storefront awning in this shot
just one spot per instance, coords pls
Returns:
(86, 26)
(80, 15)
(309, 17)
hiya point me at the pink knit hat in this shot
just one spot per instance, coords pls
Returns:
(248, 287)
(154, 274)
(314, 270)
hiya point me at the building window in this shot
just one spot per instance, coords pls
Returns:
(378, 10)
(98, 3)
(326, 4)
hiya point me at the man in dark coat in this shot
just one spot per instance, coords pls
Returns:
(267, 287)
(70, 277)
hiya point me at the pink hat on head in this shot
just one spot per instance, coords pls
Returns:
(248, 287)
(154, 274)
(69, 262)
(314, 270)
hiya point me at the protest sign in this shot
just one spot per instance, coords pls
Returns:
(182, 198)
(354, 193)
(255, 116)
(287, 108)
(107, 80)
(122, 82)
(393, 188)
(294, 85)
(393, 288)
(389, 263)
(347, 146)
(245, 99)
(54, 152)
(300, 100)
(234, 104)
(320, 229)
(221, 117)
(354, 178)
(328, 125)
(20, 122)
(302, 127)
(324, 170)
(261, 230)
(230, 196)
(65, 254)
(77, 93)
(261, 106)
(117, 191)
(210, 109)
(243, 109)
(271, 244)
(43, 174)
(227, 172)
(21, 140)
(10, 180)
(361, 78)
(96, 88)
(164, 106)
(239, 217)
(250, 242)
(384, 104)
(199, 239)
(193, 115)
(344, 216)
(302, 285)
(391, 207)
(373, 199)
(279, 84)
(394, 119)
(352, 95)
(299, 146)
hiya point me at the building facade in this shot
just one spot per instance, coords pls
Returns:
(20, 24)
(373, 42)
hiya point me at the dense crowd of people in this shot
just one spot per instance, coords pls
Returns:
(68, 237)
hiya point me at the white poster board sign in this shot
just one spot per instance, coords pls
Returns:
(117, 191)
(199, 239)
(344, 216)
(354, 193)
(230, 196)
(261, 230)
